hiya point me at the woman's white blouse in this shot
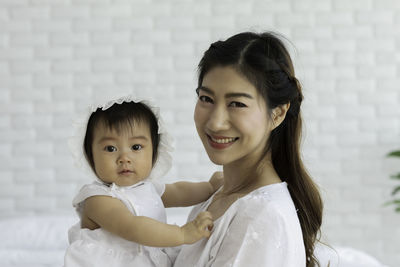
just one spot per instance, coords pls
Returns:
(259, 229)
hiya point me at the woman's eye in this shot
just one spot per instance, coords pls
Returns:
(206, 99)
(136, 147)
(237, 105)
(110, 148)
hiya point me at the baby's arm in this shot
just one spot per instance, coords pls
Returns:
(184, 194)
(112, 215)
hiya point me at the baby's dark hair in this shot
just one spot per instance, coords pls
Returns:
(117, 117)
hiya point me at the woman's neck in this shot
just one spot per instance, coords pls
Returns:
(245, 178)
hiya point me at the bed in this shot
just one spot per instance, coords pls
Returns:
(41, 240)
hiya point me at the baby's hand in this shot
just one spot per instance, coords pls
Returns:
(216, 180)
(198, 228)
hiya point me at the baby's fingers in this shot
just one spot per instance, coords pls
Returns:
(198, 228)
(204, 223)
(204, 215)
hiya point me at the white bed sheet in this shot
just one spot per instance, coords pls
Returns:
(41, 241)
(34, 240)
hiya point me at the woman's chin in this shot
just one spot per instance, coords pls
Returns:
(218, 160)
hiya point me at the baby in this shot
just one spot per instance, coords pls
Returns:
(123, 219)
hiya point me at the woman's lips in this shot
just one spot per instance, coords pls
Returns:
(221, 142)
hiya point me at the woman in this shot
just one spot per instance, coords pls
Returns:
(269, 211)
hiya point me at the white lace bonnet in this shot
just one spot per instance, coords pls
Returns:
(165, 148)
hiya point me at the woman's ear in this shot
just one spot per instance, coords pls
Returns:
(279, 114)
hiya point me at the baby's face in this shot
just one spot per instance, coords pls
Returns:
(124, 157)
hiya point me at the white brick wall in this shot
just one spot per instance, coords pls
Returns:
(57, 55)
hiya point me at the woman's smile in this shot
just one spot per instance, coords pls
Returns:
(221, 142)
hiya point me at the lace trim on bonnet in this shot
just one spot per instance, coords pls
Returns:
(165, 148)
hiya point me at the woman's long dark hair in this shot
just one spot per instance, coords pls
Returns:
(264, 60)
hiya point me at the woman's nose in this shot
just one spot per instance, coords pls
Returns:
(218, 119)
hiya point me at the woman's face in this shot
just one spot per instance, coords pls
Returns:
(231, 118)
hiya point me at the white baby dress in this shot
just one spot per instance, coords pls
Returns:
(259, 229)
(99, 248)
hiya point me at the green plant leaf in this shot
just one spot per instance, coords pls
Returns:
(396, 190)
(392, 202)
(394, 154)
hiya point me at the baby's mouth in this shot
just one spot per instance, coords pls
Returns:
(125, 172)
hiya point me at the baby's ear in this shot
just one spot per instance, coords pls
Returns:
(279, 114)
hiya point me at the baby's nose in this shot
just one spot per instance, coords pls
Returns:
(124, 158)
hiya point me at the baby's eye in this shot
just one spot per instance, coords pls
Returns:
(236, 104)
(206, 99)
(110, 148)
(136, 147)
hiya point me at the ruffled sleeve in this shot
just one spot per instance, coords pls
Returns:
(89, 190)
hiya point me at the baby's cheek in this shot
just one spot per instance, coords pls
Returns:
(147, 166)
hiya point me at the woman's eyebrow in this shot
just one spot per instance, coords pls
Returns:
(228, 95)
(205, 89)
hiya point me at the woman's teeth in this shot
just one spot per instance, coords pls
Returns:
(223, 140)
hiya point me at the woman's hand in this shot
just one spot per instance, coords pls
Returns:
(216, 180)
(198, 228)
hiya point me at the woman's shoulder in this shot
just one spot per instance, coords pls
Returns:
(269, 211)
(265, 201)
(268, 194)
